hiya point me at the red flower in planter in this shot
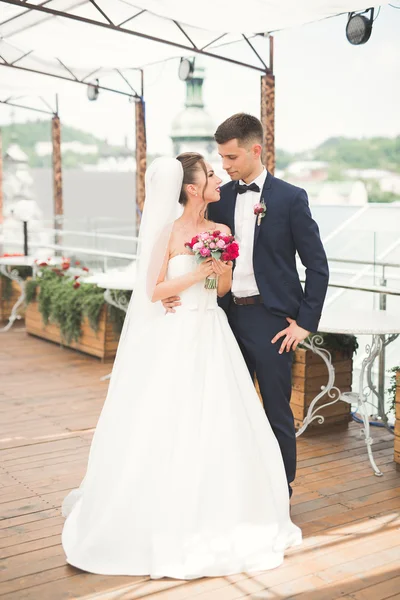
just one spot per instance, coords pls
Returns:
(65, 266)
(85, 269)
(77, 285)
(77, 263)
(76, 277)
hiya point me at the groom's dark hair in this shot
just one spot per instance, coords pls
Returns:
(243, 127)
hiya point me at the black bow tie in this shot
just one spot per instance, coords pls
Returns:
(241, 188)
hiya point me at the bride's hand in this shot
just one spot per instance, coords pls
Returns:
(204, 269)
(220, 267)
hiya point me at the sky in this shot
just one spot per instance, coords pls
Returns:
(324, 87)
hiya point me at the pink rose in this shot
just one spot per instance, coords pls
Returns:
(205, 252)
(213, 245)
(198, 245)
(221, 244)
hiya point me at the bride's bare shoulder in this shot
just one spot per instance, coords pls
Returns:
(220, 227)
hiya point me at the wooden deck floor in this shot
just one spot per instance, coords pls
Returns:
(50, 402)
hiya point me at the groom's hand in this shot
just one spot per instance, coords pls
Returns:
(170, 303)
(294, 334)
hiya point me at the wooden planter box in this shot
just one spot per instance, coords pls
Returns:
(102, 344)
(309, 374)
(397, 424)
(6, 305)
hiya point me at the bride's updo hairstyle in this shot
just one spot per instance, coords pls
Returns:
(192, 163)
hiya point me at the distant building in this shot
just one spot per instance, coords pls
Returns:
(338, 193)
(111, 158)
(312, 175)
(46, 148)
(308, 170)
(342, 193)
(193, 128)
(387, 181)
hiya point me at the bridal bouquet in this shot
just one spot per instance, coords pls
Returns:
(216, 245)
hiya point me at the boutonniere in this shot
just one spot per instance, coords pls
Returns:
(259, 210)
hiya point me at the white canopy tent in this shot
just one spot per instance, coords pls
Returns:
(79, 40)
(53, 36)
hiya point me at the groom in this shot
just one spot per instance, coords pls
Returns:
(268, 310)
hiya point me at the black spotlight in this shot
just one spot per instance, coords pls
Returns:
(186, 68)
(359, 27)
(93, 90)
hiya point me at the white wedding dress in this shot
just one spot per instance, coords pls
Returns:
(189, 480)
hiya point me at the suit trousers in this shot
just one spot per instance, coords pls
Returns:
(254, 327)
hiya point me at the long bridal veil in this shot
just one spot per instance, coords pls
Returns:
(163, 185)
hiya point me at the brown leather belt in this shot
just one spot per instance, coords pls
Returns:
(247, 300)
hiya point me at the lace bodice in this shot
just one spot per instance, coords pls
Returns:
(196, 296)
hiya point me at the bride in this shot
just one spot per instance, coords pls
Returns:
(185, 477)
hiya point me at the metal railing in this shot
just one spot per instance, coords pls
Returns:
(382, 289)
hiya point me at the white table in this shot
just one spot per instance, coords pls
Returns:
(8, 268)
(354, 322)
(113, 282)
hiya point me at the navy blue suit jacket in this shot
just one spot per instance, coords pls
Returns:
(286, 228)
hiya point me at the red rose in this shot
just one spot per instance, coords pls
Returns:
(217, 232)
(85, 269)
(65, 266)
(77, 284)
(234, 248)
(225, 257)
(43, 264)
(233, 251)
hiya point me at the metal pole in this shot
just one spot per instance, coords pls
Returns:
(268, 111)
(1, 194)
(382, 357)
(141, 151)
(25, 238)
(1, 178)
(57, 172)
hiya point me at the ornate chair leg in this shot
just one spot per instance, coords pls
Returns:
(330, 390)
(14, 276)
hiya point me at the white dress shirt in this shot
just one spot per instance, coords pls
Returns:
(243, 280)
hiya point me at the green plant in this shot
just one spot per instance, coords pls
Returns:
(30, 290)
(392, 388)
(63, 300)
(339, 342)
